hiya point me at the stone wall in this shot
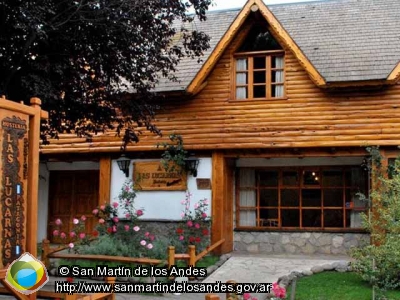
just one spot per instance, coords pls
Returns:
(298, 242)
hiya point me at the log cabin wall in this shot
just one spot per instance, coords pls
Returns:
(308, 117)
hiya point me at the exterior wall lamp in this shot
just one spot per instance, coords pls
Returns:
(123, 164)
(191, 164)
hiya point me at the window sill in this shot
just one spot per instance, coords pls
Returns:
(331, 230)
(258, 99)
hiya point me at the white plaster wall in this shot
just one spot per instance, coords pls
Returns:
(43, 195)
(162, 205)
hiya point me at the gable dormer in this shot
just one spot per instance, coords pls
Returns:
(259, 66)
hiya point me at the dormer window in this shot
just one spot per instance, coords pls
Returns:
(259, 68)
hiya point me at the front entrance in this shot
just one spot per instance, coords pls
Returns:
(71, 195)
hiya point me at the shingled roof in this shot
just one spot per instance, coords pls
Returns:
(345, 40)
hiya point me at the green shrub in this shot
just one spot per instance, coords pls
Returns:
(379, 263)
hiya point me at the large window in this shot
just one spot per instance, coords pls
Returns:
(301, 198)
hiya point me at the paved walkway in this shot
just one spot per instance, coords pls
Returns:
(243, 268)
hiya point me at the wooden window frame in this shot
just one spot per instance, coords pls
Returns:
(250, 71)
(301, 186)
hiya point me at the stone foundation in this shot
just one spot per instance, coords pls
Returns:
(298, 242)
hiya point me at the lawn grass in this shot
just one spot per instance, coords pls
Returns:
(334, 286)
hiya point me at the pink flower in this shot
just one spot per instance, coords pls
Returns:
(58, 222)
(115, 219)
(127, 189)
(72, 234)
(83, 218)
(126, 227)
(152, 237)
(149, 246)
(204, 215)
(197, 225)
(75, 221)
(102, 207)
(182, 215)
(183, 202)
(196, 205)
(147, 233)
(71, 245)
(181, 238)
(139, 212)
(127, 216)
(189, 223)
(95, 211)
(56, 232)
(114, 228)
(136, 228)
(101, 221)
(82, 235)
(205, 201)
(115, 204)
(143, 243)
(246, 296)
(63, 235)
(278, 291)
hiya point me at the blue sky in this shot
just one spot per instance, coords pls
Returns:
(224, 4)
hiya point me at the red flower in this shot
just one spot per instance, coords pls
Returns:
(70, 279)
(191, 239)
(197, 239)
(205, 232)
(139, 212)
(109, 229)
(179, 231)
(95, 233)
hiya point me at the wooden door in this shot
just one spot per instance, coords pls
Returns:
(71, 195)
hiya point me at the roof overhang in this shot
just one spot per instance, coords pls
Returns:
(199, 81)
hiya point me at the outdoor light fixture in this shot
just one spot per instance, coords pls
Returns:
(123, 164)
(191, 164)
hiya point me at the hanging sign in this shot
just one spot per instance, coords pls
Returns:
(14, 175)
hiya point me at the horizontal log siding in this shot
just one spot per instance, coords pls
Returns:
(309, 117)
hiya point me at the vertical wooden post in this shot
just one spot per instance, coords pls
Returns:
(33, 178)
(171, 256)
(228, 295)
(111, 280)
(45, 252)
(104, 180)
(192, 255)
(222, 202)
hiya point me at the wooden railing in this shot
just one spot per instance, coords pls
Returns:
(191, 256)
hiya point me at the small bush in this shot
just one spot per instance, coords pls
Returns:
(194, 228)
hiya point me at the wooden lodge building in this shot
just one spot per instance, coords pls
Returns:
(279, 115)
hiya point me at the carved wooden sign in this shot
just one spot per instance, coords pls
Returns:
(151, 176)
(14, 173)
